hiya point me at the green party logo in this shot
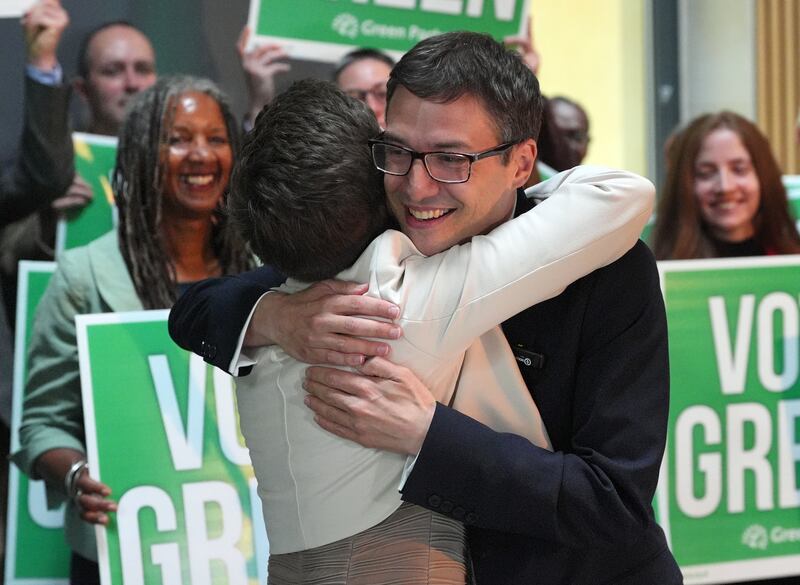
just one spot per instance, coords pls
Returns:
(731, 508)
(331, 28)
(346, 25)
(755, 536)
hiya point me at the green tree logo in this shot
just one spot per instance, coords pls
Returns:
(346, 25)
(755, 536)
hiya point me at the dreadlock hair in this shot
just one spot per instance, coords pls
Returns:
(138, 187)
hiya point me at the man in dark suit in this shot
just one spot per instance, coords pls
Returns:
(594, 358)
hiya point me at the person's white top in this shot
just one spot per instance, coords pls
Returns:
(317, 488)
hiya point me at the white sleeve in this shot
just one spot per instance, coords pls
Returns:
(591, 217)
(240, 358)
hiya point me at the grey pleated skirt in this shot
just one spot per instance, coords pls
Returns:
(413, 546)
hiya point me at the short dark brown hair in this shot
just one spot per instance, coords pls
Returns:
(305, 194)
(445, 67)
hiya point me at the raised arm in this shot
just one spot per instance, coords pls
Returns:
(218, 317)
(52, 433)
(604, 395)
(591, 216)
(44, 167)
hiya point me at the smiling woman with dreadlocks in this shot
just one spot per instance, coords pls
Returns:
(175, 154)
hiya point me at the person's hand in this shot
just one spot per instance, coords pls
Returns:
(524, 45)
(43, 25)
(92, 499)
(324, 323)
(260, 65)
(384, 406)
(79, 194)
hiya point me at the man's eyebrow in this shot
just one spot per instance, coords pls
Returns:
(437, 146)
(452, 145)
(389, 137)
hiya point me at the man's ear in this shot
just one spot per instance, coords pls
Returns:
(524, 158)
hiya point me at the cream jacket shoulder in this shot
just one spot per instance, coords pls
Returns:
(317, 488)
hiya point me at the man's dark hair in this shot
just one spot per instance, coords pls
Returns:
(360, 54)
(445, 67)
(304, 193)
(83, 49)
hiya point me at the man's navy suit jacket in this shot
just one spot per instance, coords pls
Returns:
(599, 374)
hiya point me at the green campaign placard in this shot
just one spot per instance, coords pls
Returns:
(163, 432)
(792, 184)
(95, 157)
(729, 498)
(325, 30)
(32, 527)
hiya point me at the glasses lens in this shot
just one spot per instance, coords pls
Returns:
(391, 159)
(448, 167)
(359, 94)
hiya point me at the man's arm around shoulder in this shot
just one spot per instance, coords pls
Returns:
(598, 485)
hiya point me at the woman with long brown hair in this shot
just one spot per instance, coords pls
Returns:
(723, 194)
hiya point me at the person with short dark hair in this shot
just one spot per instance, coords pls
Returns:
(570, 119)
(593, 358)
(309, 202)
(115, 62)
(362, 73)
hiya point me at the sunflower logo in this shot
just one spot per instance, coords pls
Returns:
(346, 25)
(755, 536)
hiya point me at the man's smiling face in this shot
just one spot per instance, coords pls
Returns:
(437, 215)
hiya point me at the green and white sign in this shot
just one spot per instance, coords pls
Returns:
(792, 184)
(730, 493)
(325, 30)
(95, 157)
(32, 527)
(162, 431)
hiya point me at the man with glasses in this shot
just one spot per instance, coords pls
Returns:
(327, 216)
(362, 74)
(594, 358)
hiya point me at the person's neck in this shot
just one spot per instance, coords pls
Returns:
(188, 243)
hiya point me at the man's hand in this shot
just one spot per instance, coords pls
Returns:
(260, 65)
(524, 45)
(384, 406)
(79, 194)
(43, 25)
(324, 323)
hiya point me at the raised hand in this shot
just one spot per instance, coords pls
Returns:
(260, 65)
(43, 25)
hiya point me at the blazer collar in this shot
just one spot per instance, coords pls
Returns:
(523, 203)
(111, 275)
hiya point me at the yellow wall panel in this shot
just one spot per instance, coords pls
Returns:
(594, 52)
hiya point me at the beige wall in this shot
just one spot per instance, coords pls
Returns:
(595, 52)
(718, 57)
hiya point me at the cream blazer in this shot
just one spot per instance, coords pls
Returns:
(317, 488)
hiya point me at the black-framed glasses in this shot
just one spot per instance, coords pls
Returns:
(444, 167)
(378, 92)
